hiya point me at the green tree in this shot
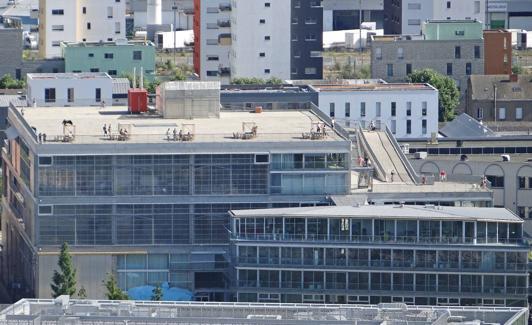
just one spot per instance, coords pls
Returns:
(448, 93)
(8, 82)
(517, 69)
(82, 293)
(113, 291)
(157, 294)
(64, 280)
(256, 81)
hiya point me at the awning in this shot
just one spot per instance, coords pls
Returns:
(11, 133)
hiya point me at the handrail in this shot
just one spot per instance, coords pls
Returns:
(324, 117)
(411, 172)
(367, 148)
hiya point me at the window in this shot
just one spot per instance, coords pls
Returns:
(393, 126)
(58, 27)
(58, 12)
(362, 109)
(389, 70)
(424, 108)
(262, 54)
(347, 109)
(409, 68)
(212, 58)
(408, 108)
(262, 159)
(414, 6)
(457, 52)
(117, 27)
(505, 57)
(393, 110)
(294, 20)
(94, 70)
(112, 72)
(45, 209)
(267, 4)
(310, 21)
(459, 32)
(378, 53)
(70, 95)
(137, 55)
(98, 95)
(262, 21)
(502, 113)
(468, 68)
(448, 4)
(477, 7)
(56, 43)
(424, 126)
(414, 22)
(49, 95)
(267, 38)
(310, 37)
(84, 10)
(400, 53)
(480, 113)
(449, 69)
(378, 109)
(108, 55)
(91, 55)
(331, 109)
(477, 52)
(496, 181)
(408, 126)
(266, 71)
(310, 70)
(518, 113)
(109, 12)
(88, 25)
(297, 4)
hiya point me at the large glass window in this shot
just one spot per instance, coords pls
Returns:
(406, 230)
(313, 256)
(471, 259)
(403, 258)
(381, 257)
(317, 229)
(425, 282)
(291, 279)
(448, 283)
(335, 280)
(361, 230)
(358, 257)
(313, 280)
(291, 255)
(384, 230)
(403, 282)
(452, 231)
(448, 260)
(358, 281)
(336, 256)
(338, 229)
(429, 231)
(381, 281)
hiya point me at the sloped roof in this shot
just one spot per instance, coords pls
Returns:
(464, 126)
(482, 87)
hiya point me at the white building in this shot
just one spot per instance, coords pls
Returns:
(79, 21)
(342, 14)
(183, 14)
(212, 40)
(69, 89)
(409, 110)
(415, 12)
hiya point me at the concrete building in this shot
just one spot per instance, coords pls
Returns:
(115, 58)
(408, 110)
(380, 254)
(504, 99)
(69, 89)
(212, 39)
(287, 43)
(406, 17)
(268, 97)
(204, 313)
(11, 56)
(152, 196)
(393, 58)
(497, 52)
(182, 16)
(79, 21)
(509, 14)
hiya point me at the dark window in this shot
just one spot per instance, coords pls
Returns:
(45, 209)
(262, 54)
(266, 71)
(49, 95)
(496, 181)
(91, 55)
(331, 109)
(477, 52)
(408, 126)
(468, 68)
(45, 161)
(393, 109)
(70, 95)
(457, 52)
(112, 72)
(137, 55)
(448, 4)
(84, 10)
(108, 55)
(347, 109)
(262, 21)
(408, 68)
(267, 4)
(266, 38)
(449, 69)
(212, 73)
(95, 70)
(58, 12)
(262, 158)
(389, 70)
(98, 94)
(522, 182)
(88, 25)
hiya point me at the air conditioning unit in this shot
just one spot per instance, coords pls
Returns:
(420, 155)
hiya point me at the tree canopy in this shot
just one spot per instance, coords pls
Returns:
(64, 280)
(256, 81)
(449, 95)
(113, 291)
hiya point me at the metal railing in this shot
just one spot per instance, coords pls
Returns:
(380, 172)
(409, 169)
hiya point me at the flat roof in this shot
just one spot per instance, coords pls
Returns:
(428, 212)
(68, 75)
(275, 89)
(373, 87)
(54, 311)
(109, 44)
(273, 126)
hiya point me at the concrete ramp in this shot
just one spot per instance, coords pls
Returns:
(386, 157)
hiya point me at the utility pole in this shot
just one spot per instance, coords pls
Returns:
(495, 106)
(174, 8)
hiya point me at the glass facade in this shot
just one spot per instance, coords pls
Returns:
(330, 260)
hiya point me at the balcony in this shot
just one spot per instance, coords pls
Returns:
(224, 71)
(224, 7)
(224, 23)
(225, 39)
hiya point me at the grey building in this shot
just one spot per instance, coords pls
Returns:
(151, 205)
(393, 58)
(380, 254)
(268, 96)
(86, 312)
(506, 100)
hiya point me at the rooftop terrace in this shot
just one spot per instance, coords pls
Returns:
(65, 311)
(68, 75)
(87, 126)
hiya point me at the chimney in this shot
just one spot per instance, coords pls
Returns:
(513, 77)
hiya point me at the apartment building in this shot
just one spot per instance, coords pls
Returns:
(448, 48)
(497, 52)
(415, 12)
(79, 21)
(114, 58)
(69, 89)
(513, 14)
(182, 16)
(150, 204)
(344, 15)
(380, 254)
(286, 42)
(408, 110)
